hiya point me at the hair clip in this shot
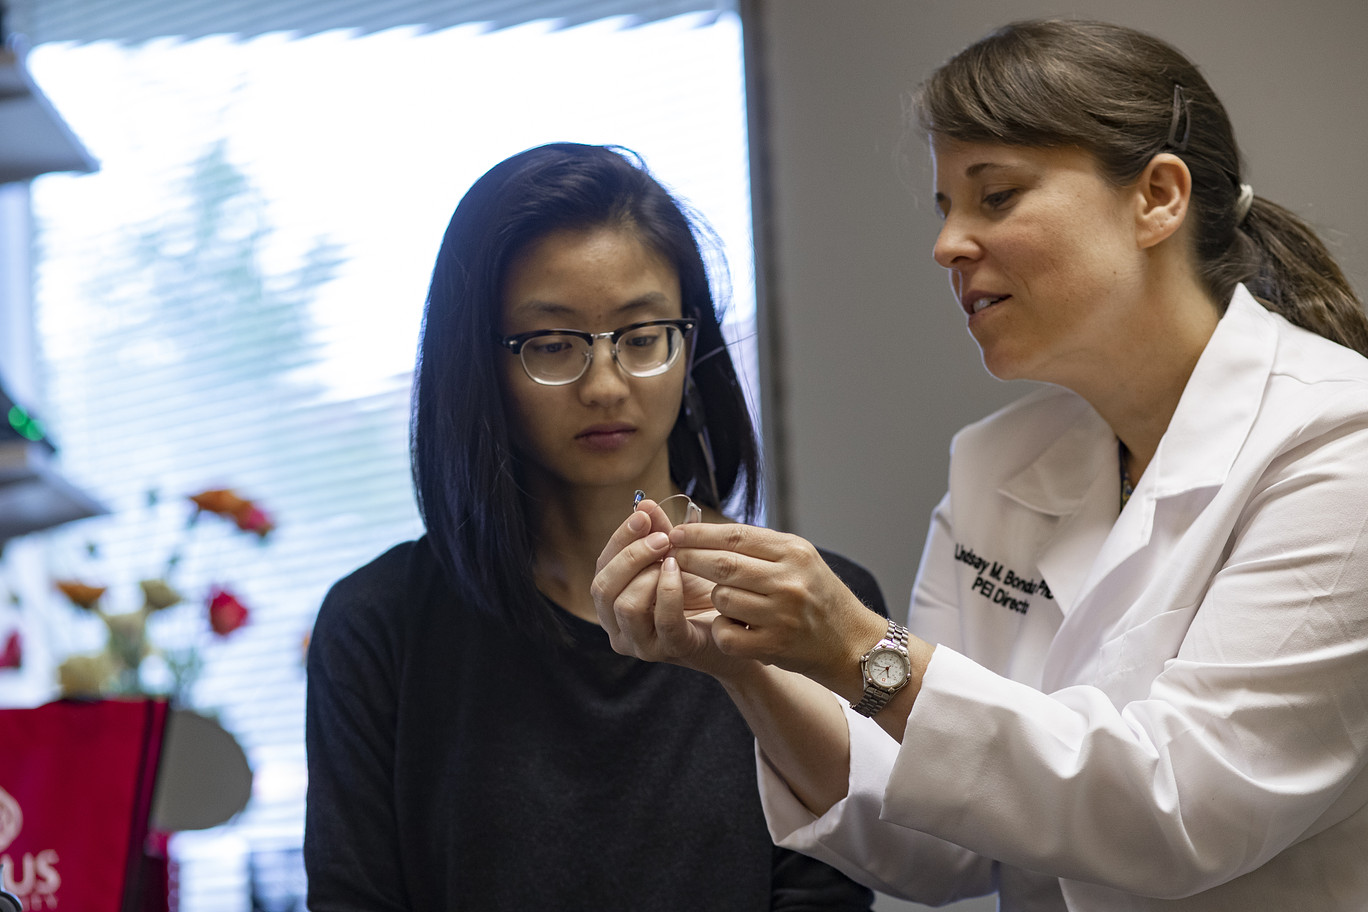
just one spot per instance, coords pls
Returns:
(1243, 202)
(1180, 111)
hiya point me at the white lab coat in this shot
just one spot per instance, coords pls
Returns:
(1165, 710)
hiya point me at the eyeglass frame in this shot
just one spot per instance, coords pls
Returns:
(515, 343)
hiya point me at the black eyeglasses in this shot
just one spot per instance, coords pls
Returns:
(555, 357)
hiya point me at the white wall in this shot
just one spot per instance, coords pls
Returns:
(869, 366)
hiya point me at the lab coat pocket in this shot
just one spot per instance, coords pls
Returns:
(1128, 663)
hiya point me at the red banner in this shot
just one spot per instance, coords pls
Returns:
(76, 785)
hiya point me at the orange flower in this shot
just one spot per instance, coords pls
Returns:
(226, 503)
(81, 595)
(226, 613)
(222, 501)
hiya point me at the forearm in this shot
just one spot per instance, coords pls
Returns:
(801, 729)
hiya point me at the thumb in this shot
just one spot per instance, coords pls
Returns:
(672, 628)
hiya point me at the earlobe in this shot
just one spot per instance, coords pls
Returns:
(1163, 192)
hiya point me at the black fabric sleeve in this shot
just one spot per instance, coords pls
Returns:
(803, 884)
(857, 579)
(351, 844)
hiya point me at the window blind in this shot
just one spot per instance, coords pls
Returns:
(144, 20)
(233, 300)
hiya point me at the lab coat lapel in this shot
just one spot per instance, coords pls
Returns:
(1218, 407)
(1076, 481)
(1212, 421)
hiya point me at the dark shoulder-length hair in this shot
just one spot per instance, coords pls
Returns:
(1125, 96)
(467, 475)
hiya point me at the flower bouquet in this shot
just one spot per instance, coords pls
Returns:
(120, 666)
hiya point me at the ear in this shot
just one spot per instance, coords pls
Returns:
(1162, 194)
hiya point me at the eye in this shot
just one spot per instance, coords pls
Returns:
(643, 338)
(1000, 199)
(549, 345)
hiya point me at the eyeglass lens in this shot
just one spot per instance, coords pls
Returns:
(642, 352)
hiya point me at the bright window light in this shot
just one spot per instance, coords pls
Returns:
(233, 299)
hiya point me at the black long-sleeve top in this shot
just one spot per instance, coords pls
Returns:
(456, 765)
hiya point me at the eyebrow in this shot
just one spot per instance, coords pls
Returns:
(552, 308)
(978, 168)
(975, 170)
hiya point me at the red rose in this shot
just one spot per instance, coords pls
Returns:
(12, 656)
(254, 519)
(226, 613)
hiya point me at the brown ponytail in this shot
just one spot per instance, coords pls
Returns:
(1298, 278)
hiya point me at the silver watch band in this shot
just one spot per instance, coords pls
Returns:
(875, 697)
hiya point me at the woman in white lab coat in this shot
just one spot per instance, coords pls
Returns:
(1137, 672)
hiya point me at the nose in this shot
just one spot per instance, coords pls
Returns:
(955, 244)
(604, 382)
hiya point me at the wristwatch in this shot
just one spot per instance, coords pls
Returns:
(885, 668)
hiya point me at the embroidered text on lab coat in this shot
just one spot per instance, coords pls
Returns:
(999, 584)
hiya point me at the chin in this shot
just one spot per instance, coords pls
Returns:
(1005, 363)
(1000, 368)
(607, 473)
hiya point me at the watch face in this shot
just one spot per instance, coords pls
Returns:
(887, 668)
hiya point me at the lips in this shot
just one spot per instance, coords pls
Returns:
(978, 302)
(606, 436)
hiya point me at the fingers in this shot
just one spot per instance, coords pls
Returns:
(778, 601)
(650, 622)
(647, 517)
(683, 636)
(735, 638)
(634, 618)
(766, 544)
(676, 634)
(660, 520)
(748, 558)
(624, 584)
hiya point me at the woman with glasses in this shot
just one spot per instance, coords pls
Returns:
(1136, 675)
(474, 742)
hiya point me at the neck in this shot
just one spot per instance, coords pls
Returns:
(571, 526)
(1149, 367)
